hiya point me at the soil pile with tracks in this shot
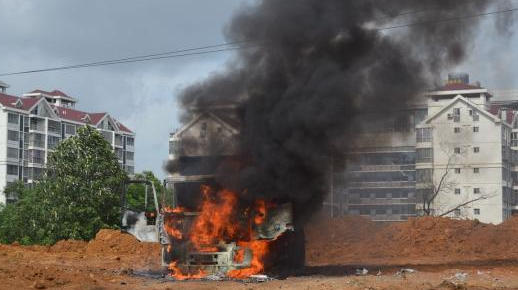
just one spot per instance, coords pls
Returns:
(114, 242)
(357, 240)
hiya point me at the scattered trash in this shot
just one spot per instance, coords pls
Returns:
(214, 277)
(405, 271)
(361, 272)
(461, 276)
(260, 278)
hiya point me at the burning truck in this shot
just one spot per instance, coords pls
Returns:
(206, 229)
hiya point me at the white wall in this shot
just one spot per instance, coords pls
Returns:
(489, 161)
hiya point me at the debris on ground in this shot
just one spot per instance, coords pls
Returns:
(361, 271)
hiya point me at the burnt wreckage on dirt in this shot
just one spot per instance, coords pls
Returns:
(208, 229)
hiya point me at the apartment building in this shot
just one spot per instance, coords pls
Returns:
(465, 143)
(379, 179)
(198, 148)
(31, 127)
(458, 144)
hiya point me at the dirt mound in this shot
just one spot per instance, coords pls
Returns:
(68, 246)
(114, 242)
(357, 240)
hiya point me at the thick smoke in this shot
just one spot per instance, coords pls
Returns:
(312, 67)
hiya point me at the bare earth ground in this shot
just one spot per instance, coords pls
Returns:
(446, 254)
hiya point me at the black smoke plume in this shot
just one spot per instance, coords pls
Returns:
(311, 67)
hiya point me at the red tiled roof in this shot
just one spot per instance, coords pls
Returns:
(79, 116)
(509, 113)
(10, 101)
(39, 92)
(57, 93)
(64, 113)
(96, 117)
(124, 128)
(29, 103)
(458, 87)
(71, 114)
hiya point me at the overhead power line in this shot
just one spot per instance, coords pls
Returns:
(419, 11)
(170, 54)
(448, 19)
(233, 46)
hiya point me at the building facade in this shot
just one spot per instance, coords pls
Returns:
(32, 126)
(456, 158)
(197, 150)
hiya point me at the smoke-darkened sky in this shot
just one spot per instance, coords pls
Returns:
(38, 34)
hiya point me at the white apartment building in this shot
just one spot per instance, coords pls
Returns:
(456, 134)
(31, 126)
(466, 143)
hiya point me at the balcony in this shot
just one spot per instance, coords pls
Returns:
(36, 140)
(384, 184)
(37, 125)
(54, 127)
(37, 160)
(370, 168)
(118, 141)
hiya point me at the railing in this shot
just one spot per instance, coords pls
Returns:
(402, 167)
(54, 127)
(118, 140)
(387, 184)
(36, 160)
(381, 201)
(39, 126)
(37, 143)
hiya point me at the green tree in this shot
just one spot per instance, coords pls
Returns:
(135, 194)
(79, 194)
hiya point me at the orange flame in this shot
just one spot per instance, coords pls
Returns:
(171, 225)
(219, 222)
(177, 274)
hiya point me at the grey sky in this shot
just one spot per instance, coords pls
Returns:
(39, 34)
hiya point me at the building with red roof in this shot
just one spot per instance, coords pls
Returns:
(35, 123)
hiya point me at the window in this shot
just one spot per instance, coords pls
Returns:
(130, 141)
(204, 126)
(12, 135)
(54, 126)
(12, 169)
(475, 117)
(130, 169)
(457, 170)
(381, 195)
(456, 111)
(129, 155)
(476, 190)
(424, 175)
(52, 141)
(424, 155)
(12, 152)
(476, 170)
(476, 149)
(381, 211)
(457, 150)
(70, 129)
(456, 130)
(12, 118)
(471, 112)
(457, 212)
(424, 134)
(476, 211)
(457, 190)
(475, 129)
